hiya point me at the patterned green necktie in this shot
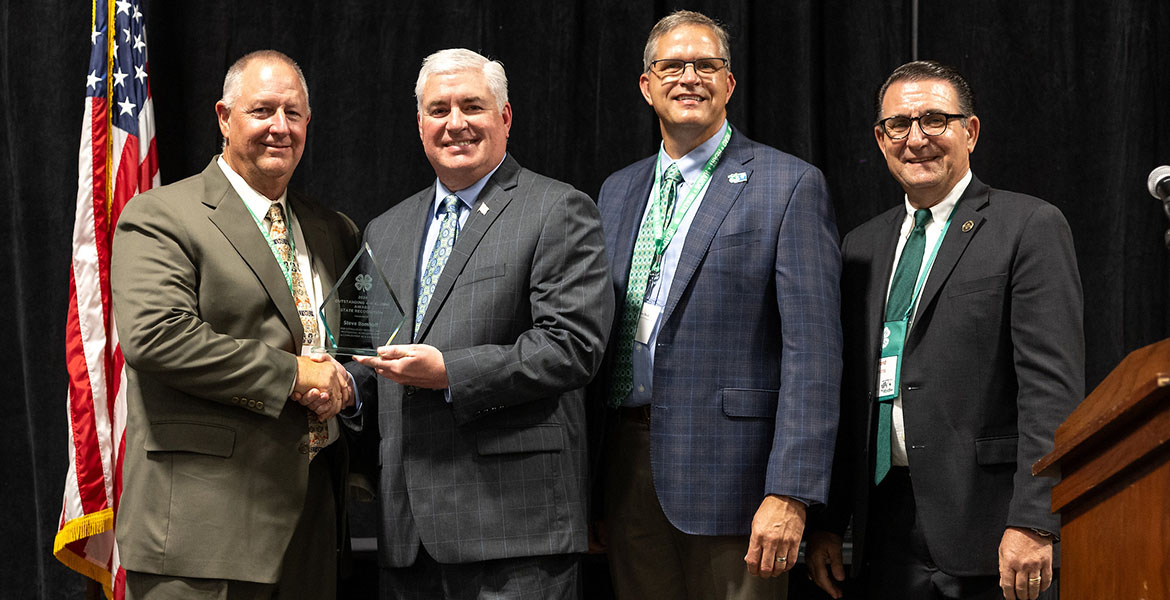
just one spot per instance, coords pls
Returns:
(440, 252)
(901, 294)
(623, 366)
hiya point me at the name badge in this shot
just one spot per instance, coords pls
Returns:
(646, 322)
(890, 363)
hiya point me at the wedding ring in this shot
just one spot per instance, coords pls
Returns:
(1035, 579)
(782, 559)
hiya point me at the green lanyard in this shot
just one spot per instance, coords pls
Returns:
(666, 225)
(276, 253)
(929, 263)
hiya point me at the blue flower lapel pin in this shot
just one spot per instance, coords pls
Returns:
(737, 177)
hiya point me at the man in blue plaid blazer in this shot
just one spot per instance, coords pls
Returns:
(725, 359)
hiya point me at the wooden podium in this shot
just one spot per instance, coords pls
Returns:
(1113, 454)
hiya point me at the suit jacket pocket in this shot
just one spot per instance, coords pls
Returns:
(994, 282)
(186, 436)
(482, 273)
(511, 440)
(731, 240)
(743, 402)
(996, 450)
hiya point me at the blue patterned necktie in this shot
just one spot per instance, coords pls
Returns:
(901, 294)
(640, 263)
(278, 233)
(440, 252)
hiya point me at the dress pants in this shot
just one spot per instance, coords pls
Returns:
(899, 562)
(552, 577)
(649, 558)
(309, 567)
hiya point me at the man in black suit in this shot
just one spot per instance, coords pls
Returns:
(964, 350)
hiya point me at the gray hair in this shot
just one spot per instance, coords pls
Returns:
(677, 19)
(231, 81)
(454, 60)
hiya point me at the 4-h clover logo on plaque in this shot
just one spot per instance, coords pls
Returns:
(361, 312)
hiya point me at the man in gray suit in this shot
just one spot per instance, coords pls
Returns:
(231, 490)
(504, 280)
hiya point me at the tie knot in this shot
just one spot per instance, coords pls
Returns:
(921, 218)
(450, 204)
(672, 174)
(275, 212)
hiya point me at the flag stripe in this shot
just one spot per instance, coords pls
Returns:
(116, 160)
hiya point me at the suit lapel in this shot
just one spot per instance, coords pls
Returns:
(239, 227)
(720, 197)
(324, 256)
(403, 271)
(496, 196)
(884, 247)
(637, 196)
(954, 244)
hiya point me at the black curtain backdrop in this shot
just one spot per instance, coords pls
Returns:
(1073, 97)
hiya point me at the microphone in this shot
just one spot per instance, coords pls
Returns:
(1159, 183)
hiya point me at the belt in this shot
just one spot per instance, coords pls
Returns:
(637, 414)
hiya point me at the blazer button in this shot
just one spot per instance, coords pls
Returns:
(251, 404)
(410, 389)
(303, 448)
(260, 405)
(235, 399)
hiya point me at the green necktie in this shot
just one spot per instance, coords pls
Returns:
(440, 252)
(901, 294)
(623, 366)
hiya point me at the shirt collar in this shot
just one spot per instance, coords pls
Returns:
(255, 201)
(692, 163)
(467, 196)
(939, 213)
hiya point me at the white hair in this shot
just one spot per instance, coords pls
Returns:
(454, 60)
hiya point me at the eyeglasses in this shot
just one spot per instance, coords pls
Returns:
(930, 124)
(673, 68)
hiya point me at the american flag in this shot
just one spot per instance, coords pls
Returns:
(117, 160)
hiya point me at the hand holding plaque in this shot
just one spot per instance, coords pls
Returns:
(361, 312)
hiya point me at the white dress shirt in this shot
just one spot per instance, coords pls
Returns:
(939, 213)
(258, 204)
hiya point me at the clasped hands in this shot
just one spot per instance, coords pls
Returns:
(322, 385)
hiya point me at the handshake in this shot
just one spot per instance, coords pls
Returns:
(322, 385)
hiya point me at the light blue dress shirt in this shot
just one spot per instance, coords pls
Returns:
(467, 197)
(691, 166)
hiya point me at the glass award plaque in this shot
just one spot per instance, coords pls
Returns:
(361, 312)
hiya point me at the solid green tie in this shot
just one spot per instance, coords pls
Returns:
(901, 294)
(623, 367)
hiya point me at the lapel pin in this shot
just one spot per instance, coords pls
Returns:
(737, 177)
(483, 208)
(968, 225)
